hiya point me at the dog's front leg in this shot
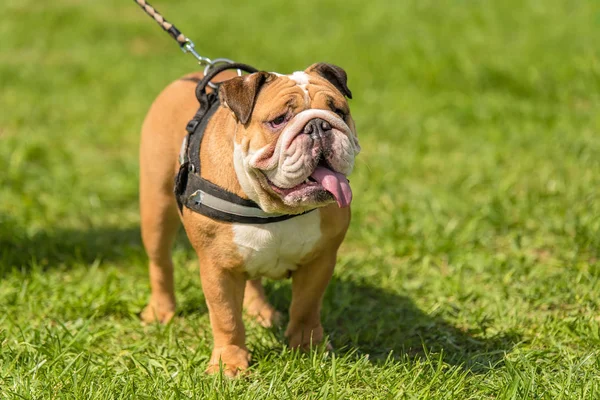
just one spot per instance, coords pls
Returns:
(224, 293)
(308, 287)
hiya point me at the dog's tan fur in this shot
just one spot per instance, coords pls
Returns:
(224, 281)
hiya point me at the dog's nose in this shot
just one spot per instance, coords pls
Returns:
(317, 127)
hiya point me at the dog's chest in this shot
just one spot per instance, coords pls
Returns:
(271, 250)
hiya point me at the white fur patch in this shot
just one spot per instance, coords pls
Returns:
(271, 250)
(301, 79)
(241, 172)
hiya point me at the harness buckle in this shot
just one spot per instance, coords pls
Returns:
(197, 197)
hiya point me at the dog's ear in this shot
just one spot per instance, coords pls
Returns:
(239, 94)
(334, 74)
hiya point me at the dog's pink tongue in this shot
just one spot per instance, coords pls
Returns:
(335, 183)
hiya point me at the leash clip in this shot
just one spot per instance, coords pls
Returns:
(190, 47)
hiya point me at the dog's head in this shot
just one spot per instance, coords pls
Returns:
(295, 140)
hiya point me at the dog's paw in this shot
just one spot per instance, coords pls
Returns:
(234, 360)
(262, 311)
(269, 319)
(265, 315)
(153, 312)
(305, 339)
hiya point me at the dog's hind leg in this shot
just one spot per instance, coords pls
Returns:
(162, 134)
(159, 227)
(257, 305)
(159, 216)
(159, 222)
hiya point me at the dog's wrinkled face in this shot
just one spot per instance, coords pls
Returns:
(295, 141)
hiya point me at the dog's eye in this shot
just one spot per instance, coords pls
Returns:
(340, 113)
(278, 122)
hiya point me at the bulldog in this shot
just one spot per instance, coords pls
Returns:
(286, 142)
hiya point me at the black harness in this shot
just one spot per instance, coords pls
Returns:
(195, 192)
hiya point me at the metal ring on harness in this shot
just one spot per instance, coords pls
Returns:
(214, 63)
(212, 72)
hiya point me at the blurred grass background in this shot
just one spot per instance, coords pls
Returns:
(471, 269)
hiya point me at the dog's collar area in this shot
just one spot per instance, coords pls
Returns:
(217, 203)
(200, 195)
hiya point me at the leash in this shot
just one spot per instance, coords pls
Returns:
(185, 43)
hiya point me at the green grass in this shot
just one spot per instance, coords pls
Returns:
(472, 266)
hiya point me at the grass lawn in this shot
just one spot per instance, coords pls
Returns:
(472, 266)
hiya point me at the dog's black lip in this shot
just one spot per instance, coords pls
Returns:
(324, 163)
(317, 191)
(298, 186)
(312, 186)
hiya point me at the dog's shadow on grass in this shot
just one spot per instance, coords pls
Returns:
(366, 319)
(358, 316)
(64, 248)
